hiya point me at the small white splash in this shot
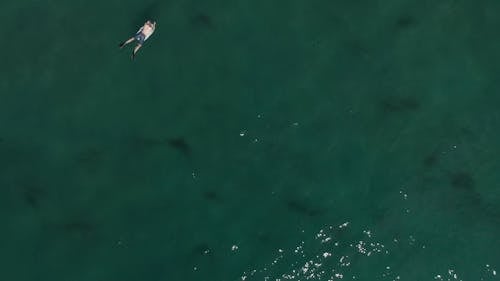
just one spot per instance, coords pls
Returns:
(405, 195)
(361, 247)
(493, 271)
(345, 224)
(298, 249)
(234, 248)
(295, 124)
(326, 254)
(305, 268)
(343, 261)
(327, 239)
(451, 272)
(411, 240)
(242, 133)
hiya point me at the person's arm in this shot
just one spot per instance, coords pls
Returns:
(154, 26)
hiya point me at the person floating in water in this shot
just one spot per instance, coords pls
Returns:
(141, 36)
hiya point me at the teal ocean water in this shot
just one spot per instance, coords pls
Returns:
(250, 140)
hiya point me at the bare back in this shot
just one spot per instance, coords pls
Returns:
(148, 29)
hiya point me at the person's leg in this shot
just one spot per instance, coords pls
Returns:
(122, 44)
(135, 50)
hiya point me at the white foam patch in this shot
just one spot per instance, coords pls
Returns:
(329, 256)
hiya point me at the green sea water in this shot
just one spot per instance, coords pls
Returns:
(250, 140)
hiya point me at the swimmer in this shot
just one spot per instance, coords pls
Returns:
(141, 36)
